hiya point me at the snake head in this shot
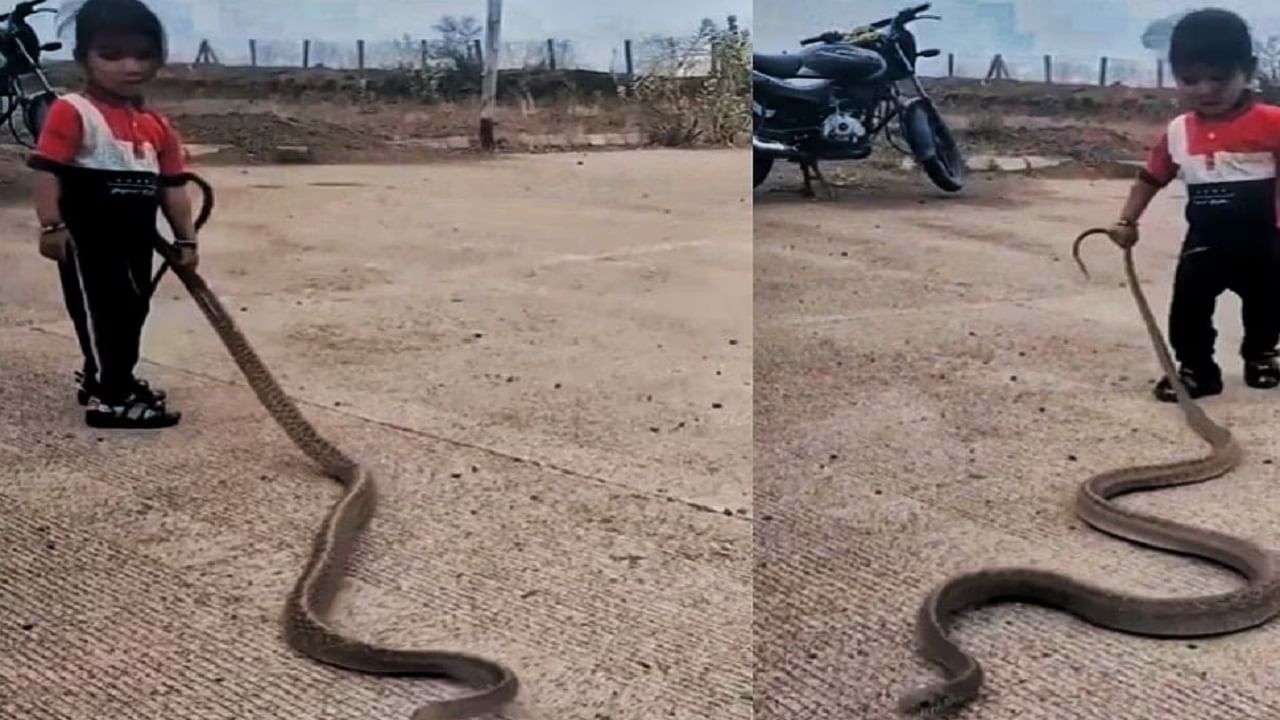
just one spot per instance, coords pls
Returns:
(1075, 247)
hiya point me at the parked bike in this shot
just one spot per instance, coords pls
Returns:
(852, 93)
(20, 52)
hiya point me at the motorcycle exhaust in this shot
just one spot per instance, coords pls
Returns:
(774, 148)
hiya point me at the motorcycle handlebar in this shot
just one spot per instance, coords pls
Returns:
(902, 18)
(23, 9)
(832, 36)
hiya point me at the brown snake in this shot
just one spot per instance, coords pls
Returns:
(304, 626)
(1253, 604)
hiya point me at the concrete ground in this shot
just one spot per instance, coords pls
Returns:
(546, 359)
(934, 380)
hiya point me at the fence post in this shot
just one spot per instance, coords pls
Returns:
(360, 55)
(425, 54)
(551, 53)
(631, 65)
(1102, 73)
(951, 65)
(306, 54)
(479, 50)
(489, 88)
(1048, 69)
(1160, 72)
(253, 53)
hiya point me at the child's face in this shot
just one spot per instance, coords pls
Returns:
(1211, 91)
(122, 65)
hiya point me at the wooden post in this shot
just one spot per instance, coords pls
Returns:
(551, 53)
(1160, 72)
(253, 52)
(489, 96)
(1102, 73)
(951, 65)
(425, 54)
(306, 54)
(631, 67)
(1048, 69)
(360, 55)
(475, 45)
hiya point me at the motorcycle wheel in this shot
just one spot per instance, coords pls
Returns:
(761, 167)
(36, 112)
(947, 166)
(933, 145)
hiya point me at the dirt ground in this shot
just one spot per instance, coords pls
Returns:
(934, 379)
(547, 360)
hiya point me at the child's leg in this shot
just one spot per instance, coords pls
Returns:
(114, 306)
(134, 313)
(73, 295)
(1258, 285)
(1199, 280)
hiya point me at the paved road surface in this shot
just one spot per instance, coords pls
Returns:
(935, 379)
(547, 359)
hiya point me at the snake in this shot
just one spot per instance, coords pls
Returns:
(305, 627)
(1248, 606)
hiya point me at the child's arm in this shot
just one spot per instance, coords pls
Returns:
(176, 204)
(47, 197)
(1140, 197)
(174, 200)
(1160, 170)
(56, 148)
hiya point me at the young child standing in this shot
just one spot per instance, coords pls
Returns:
(1226, 150)
(105, 165)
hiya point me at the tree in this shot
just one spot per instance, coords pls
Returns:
(456, 37)
(1269, 59)
(1160, 33)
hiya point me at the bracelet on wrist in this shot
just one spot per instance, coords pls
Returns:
(51, 228)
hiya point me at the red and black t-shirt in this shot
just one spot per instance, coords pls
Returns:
(112, 157)
(86, 131)
(1229, 166)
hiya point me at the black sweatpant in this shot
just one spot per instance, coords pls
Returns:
(1248, 264)
(105, 283)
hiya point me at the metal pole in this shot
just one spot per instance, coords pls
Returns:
(489, 95)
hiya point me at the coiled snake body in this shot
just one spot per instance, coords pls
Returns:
(304, 626)
(1255, 603)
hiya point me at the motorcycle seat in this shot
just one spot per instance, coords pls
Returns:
(778, 66)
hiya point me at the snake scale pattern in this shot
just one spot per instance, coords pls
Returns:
(305, 628)
(1255, 603)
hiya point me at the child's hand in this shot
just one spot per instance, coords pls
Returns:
(1124, 234)
(188, 256)
(56, 244)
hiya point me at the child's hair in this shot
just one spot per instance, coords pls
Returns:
(1219, 39)
(103, 18)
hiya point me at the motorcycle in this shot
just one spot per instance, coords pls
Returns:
(20, 51)
(855, 95)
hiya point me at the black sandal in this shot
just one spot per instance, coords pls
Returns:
(88, 389)
(1262, 374)
(1198, 384)
(133, 413)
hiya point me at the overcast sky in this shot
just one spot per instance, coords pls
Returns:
(1085, 28)
(595, 26)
